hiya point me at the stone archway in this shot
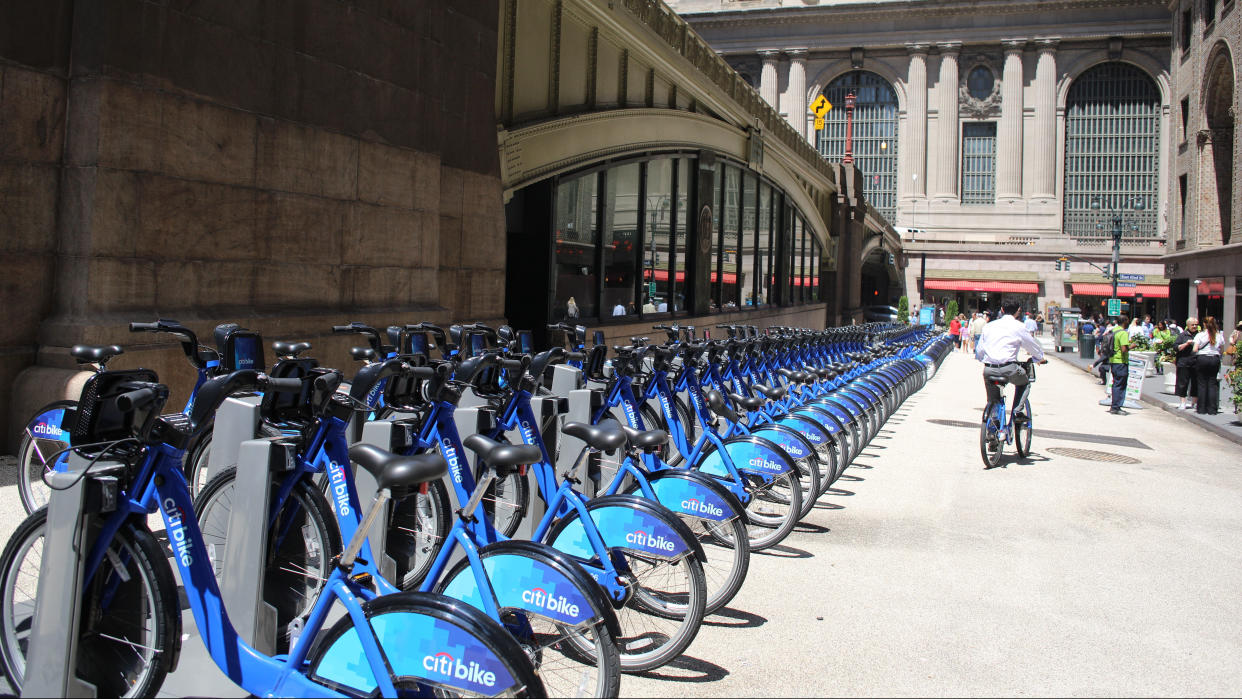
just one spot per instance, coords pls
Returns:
(1216, 149)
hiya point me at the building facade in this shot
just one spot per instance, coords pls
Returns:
(1204, 260)
(999, 137)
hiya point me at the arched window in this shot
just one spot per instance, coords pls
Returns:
(1112, 151)
(875, 134)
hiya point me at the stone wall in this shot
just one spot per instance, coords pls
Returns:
(284, 165)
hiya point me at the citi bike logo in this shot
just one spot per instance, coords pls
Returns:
(450, 455)
(528, 433)
(182, 547)
(629, 414)
(760, 462)
(642, 538)
(553, 603)
(702, 507)
(668, 409)
(340, 490)
(46, 430)
(448, 666)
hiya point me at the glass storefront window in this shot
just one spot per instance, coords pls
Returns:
(727, 267)
(658, 248)
(816, 254)
(619, 240)
(576, 233)
(746, 242)
(763, 247)
(681, 225)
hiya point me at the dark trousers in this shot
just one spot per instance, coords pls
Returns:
(1187, 381)
(1207, 366)
(1121, 376)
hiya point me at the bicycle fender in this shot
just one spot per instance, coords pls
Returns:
(534, 578)
(830, 417)
(791, 439)
(752, 454)
(693, 494)
(53, 424)
(627, 522)
(438, 629)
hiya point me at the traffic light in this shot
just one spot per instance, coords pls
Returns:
(1063, 264)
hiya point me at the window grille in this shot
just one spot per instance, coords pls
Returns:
(979, 163)
(875, 135)
(1112, 142)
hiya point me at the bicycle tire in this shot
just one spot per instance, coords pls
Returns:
(1022, 431)
(417, 527)
(125, 649)
(197, 456)
(395, 616)
(766, 530)
(542, 639)
(296, 566)
(32, 462)
(989, 429)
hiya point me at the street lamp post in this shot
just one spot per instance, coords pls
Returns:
(1118, 221)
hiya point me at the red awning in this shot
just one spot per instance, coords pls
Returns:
(971, 285)
(1151, 291)
(661, 275)
(729, 278)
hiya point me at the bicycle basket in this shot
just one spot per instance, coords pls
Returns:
(239, 348)
(100, 419)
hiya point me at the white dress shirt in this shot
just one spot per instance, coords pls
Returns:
(1001, 340)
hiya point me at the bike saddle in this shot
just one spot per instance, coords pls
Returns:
(395, 470)
(290, 349)
(89, 354)
(606, 437)
(716, 402)
(362, 354)
(747, 402)
(644, 440)
(504, 458)
(771, 393)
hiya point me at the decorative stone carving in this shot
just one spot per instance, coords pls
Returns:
(973, 103)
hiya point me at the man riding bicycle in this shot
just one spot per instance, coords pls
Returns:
(998, 350)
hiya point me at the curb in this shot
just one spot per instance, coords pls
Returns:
(1231, 435)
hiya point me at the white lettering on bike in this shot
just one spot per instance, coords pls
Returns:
(553, 603)
(181, 545)
(448, 666)
(658, 542)
(702, 507)
(450, 455)
(340, 489)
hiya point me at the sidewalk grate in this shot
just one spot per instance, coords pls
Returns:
(1092, 455)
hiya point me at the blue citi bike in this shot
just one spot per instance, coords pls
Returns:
(1001, 427)
(409, 644)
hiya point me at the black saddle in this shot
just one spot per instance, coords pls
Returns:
(746, 401)
(716, 402)
(290, 349)
(606, 437)
(644, 440)
(362, 353)
(89, 354)
(772, 393)
(396, 471)
(504, 458)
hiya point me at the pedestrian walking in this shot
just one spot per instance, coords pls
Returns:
(976, 328)
(955, 330)
(571, 308)
(1187, 387)
(1119, 365)
(1209, 346)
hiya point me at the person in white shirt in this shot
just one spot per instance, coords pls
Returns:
(1209, 346)
(618, 310)
(1137, 328)
(1030, 324)
(998, 350)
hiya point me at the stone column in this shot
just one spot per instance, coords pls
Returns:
(1044, 169)
(947, 101)
(797, 90)
(768, 80)
(1009, 145)
(915, 146)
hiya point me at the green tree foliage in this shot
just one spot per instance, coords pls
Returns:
(950, 311)
(903, 310)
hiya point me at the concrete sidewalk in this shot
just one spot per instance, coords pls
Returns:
(1227, 423)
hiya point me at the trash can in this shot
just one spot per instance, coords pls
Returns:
(1086, 346)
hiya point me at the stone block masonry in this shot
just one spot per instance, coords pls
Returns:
(287, 166)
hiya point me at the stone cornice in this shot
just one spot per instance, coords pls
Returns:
(879, 9)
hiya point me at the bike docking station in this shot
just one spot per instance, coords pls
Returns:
(394, 434)
(75, 512)
(233, 442)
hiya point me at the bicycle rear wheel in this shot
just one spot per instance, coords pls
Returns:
(131, 621)
(44, 435)
(990, 443)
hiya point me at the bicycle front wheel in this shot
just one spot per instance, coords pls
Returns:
(1022, 430)
(773, 510)
(303, 542)
(990, 443)
(130, 617)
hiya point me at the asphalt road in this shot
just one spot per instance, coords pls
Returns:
(923, 574)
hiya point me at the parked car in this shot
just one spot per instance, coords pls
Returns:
(880, 313)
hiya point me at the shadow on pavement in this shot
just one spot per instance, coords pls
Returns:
(730, 618)
(838, 491)
(848, 477)
(829, 506)
(1029, 460)
(783, 551)
(808, 528)
(687, 669)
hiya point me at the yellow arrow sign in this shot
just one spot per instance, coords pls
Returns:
(821, 106)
